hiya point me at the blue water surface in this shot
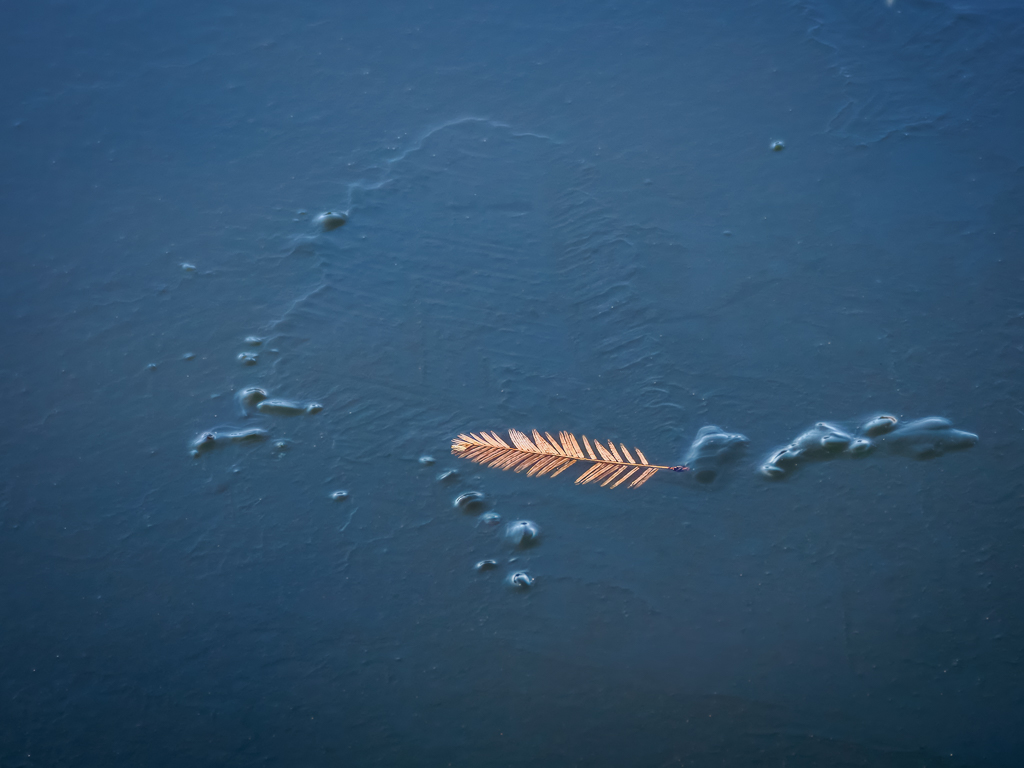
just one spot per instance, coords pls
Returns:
(562, 216)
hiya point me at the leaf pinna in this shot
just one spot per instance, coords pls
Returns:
(546, 454)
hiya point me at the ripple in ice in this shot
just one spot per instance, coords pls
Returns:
(210, 440)
(256, 399)
(277, 407)
(821, 442)
(713, 448)
(928, 439)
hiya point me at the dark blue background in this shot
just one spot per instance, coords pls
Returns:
(562, 216)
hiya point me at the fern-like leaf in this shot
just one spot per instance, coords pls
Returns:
(544, 454)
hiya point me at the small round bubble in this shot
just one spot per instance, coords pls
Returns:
(203, 443)
(520, 580)
(879, 425)
(861, 447)
(331, 220)
(471, 501)
(522, 533)
(250, 397)
(834, 441)
(787, 456)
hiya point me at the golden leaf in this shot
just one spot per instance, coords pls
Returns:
(547, 454)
